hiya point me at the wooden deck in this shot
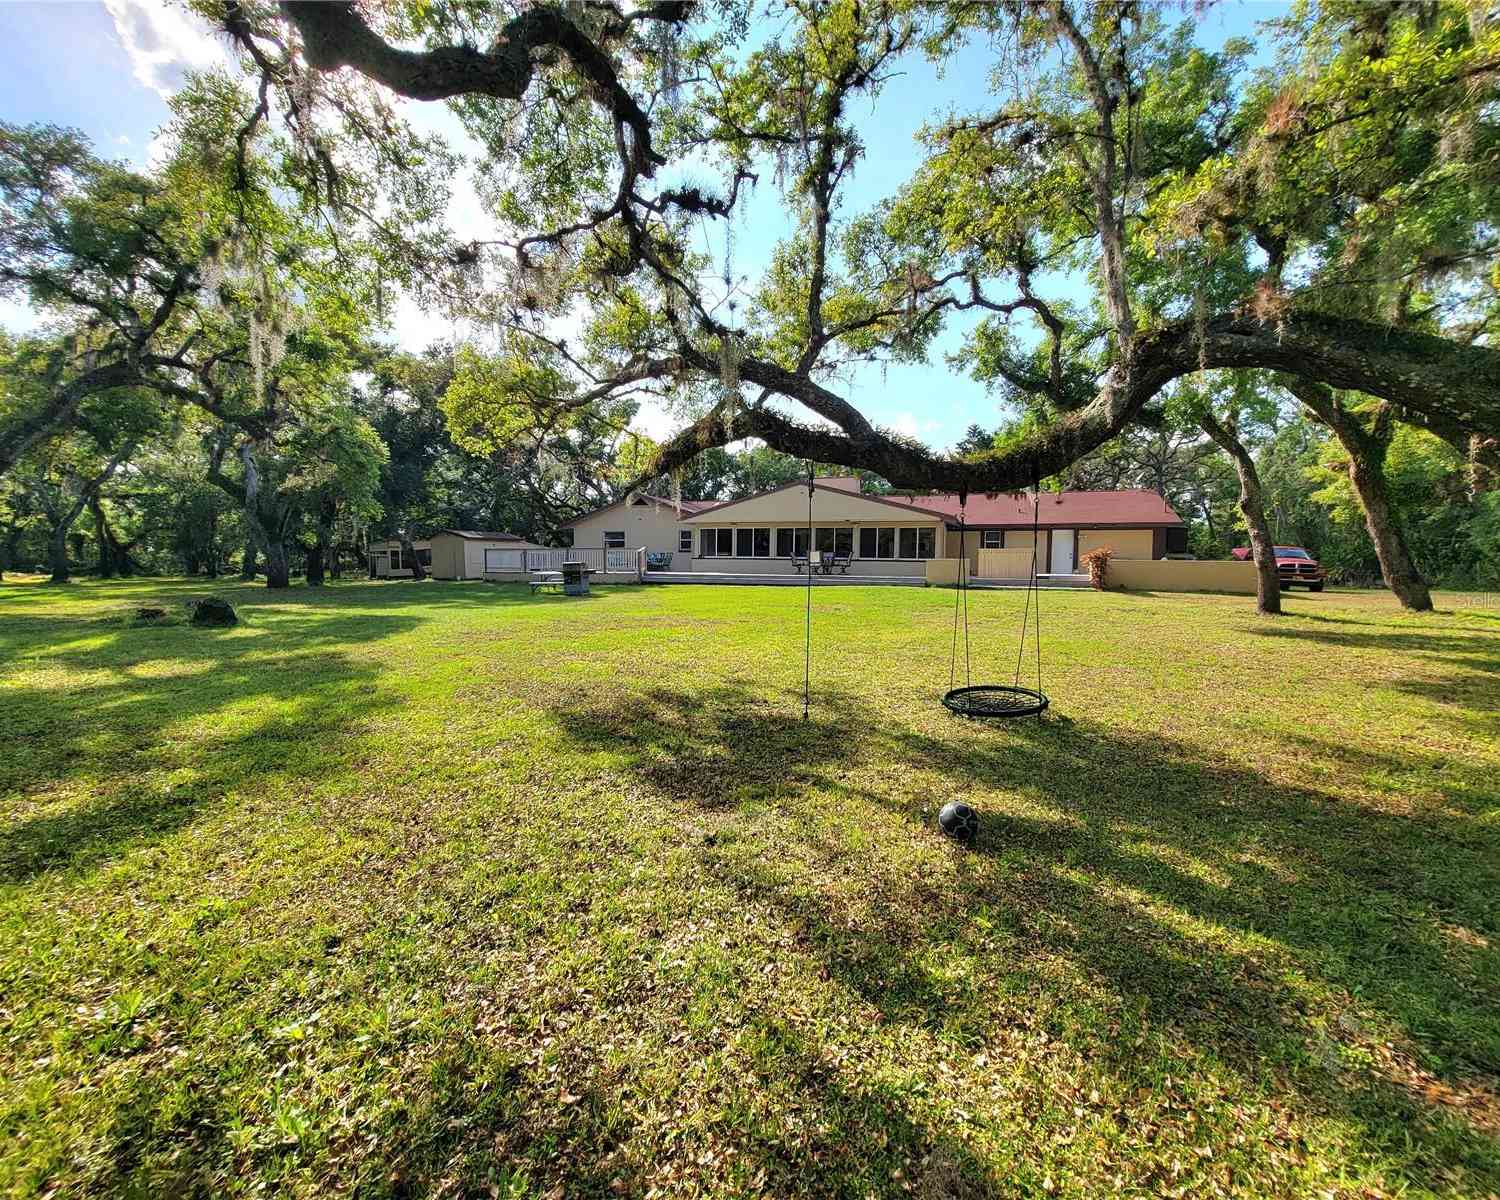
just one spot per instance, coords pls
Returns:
(749, 579)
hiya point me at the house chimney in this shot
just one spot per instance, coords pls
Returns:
(841, 483)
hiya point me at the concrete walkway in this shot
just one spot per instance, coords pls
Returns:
(1063, 582)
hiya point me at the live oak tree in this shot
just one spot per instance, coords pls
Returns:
(1328, 218)
(104, 251)
(64, 477)
(1224, 404)
(1365, 437)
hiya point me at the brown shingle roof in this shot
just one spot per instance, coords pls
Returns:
(481, 536)
(682, 506)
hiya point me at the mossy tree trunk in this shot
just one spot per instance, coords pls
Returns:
(409, 556)
(1253, 508)
(1366, 450)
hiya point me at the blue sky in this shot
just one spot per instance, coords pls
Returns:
(107, 67)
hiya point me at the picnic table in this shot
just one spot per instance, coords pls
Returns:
(573, 579)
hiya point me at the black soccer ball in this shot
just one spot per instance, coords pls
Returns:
(959, 821)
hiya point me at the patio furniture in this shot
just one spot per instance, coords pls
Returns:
(825, 561)
(799, 563)
(841, 561)
(658, 560)
(545, 579)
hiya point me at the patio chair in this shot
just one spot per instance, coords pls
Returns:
(841, 561)
(799, 563)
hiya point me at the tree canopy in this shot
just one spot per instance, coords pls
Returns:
(1327, 216)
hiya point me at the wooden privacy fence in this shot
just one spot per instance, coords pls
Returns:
(1006, 564)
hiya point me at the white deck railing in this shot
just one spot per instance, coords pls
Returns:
(614, 562)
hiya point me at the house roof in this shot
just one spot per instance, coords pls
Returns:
(1125, 509)
(480, 536)
(682, 506)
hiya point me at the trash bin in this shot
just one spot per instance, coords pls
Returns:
(575, 579)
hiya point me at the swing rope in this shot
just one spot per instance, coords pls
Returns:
(988, 699)
(1032, 587)
(960, 599)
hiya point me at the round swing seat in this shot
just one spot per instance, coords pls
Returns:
(995, 701)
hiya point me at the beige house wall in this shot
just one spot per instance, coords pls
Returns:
(654, 526)
(834, 505)
(830, 506)
(944, 572)
(1126, 543)
(1179, 575)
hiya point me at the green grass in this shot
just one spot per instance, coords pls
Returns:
(443, 889)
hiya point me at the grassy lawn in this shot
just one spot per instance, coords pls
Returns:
(443, 889)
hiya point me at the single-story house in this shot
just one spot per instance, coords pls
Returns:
(656, 523)
(888, 535)
(452, 554)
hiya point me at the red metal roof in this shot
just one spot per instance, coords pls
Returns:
(1130, 509)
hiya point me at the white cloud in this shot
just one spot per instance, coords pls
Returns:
(158, 149)
(909, 425)
(905, 423)
(164, 42)
(653, 421)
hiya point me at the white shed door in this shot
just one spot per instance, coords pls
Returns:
(1062, 551)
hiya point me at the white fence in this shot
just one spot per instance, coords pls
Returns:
(615, 562)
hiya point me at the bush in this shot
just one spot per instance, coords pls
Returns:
(1097, 562)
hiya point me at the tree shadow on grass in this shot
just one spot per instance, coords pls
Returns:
(1123, 856)
(137, 737)
(1477, 649)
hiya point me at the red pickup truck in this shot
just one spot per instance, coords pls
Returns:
(1294, 565)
